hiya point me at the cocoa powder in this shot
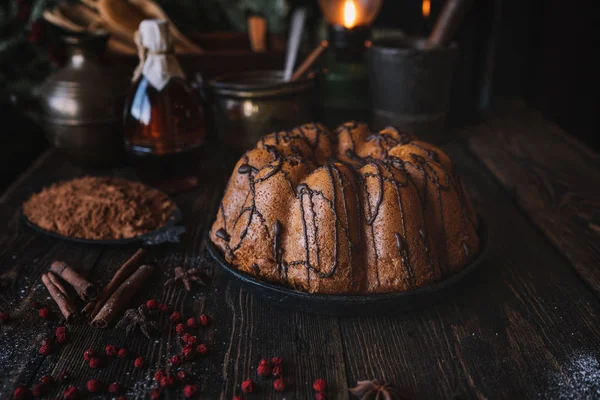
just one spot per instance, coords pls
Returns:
(99, 208)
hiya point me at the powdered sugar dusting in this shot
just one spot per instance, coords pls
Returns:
(579, 378)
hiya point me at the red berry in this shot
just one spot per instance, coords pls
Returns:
(277, 370)
(39, 389)
(180, 329)
(111, 350)
(152, 304)
(191, 340)
(202, 349)
(263, 362)
(88, 354)
(114, 388)
(71, 393)
(192, 323)
(247, 386)
(175, 317)
(238, 398)
(93, 385)
(320, 396)
(139, 362)
(158, 375)
(164, 308)
(320, 385)
(47, 342)
(155, 393)
(167, 381)
(45, 349)
(276, 361)
(205, 320)
(47, 380)
(182, 376)
(44, 312)
(263, 370)
(175, 361)
(185, 338)
(36, 305)
(188, 350)
(21, 393)
(61, 338)
(61, 330)
(123, 353)
(279, 385)
(190, 391)
(94, 362)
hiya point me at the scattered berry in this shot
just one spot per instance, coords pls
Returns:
(139, 362)
(247, 386)
(47, 342)
(4, 317)
(47, 380)
(238, 398)
(175, 317)
(277, 370)
(63, 376)
(111, 350)
(175, 361)
(94, 362)
(180, 329)
(167, 381)
(36, 305)
(320, 385)
(152, 304)
(61, 330)
(21, 393)
(182, 376)
(205, 320)
(190, 391)
(191, 340)
(71, 393)
(188, 350)
(61, 338)
(155, 393)
(88, 354)
(93, 385)
(114, 388)
(45, 349)
(263, 362)
(192, 323)
(44, 312)
(164, 308)
(320, 396)
(264, 370)
(123, 353)
(158, 375)
(276, 361)
(39, 389)
(279, 385)
(202, 349)
(185, 338)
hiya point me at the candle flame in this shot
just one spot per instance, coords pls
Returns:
(349, 14)
(426, 8)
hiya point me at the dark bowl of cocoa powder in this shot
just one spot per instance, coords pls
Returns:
(103, 210)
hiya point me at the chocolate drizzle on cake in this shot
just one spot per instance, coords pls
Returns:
(358, 170)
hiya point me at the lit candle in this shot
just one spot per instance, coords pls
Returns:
(349, 14)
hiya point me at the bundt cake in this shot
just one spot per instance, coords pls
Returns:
(348, 212)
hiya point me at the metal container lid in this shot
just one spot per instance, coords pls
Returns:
(259, 84)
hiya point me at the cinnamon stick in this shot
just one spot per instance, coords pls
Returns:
(119, 299)
(310, 60)
(94, 306)
(64, 302)
(82, 286)
(59, 285)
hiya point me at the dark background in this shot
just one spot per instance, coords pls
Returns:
(538, 51)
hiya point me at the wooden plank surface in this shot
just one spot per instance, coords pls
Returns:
(553, 178)
(524, 326)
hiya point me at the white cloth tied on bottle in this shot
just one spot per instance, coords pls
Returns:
(155, 51)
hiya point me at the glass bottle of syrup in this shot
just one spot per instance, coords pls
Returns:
(164, 118)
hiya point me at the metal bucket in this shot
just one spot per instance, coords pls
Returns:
(410, 85)
(249, 105)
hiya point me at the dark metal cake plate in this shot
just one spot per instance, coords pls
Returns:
(344, 305)
(168, 233)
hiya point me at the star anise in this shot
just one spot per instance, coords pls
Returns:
(373, 390)
(186, 277)
(136, 318)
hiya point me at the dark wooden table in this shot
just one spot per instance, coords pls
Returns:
(525, 325)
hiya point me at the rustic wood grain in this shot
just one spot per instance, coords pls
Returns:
(518, 327)
(553, 178)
